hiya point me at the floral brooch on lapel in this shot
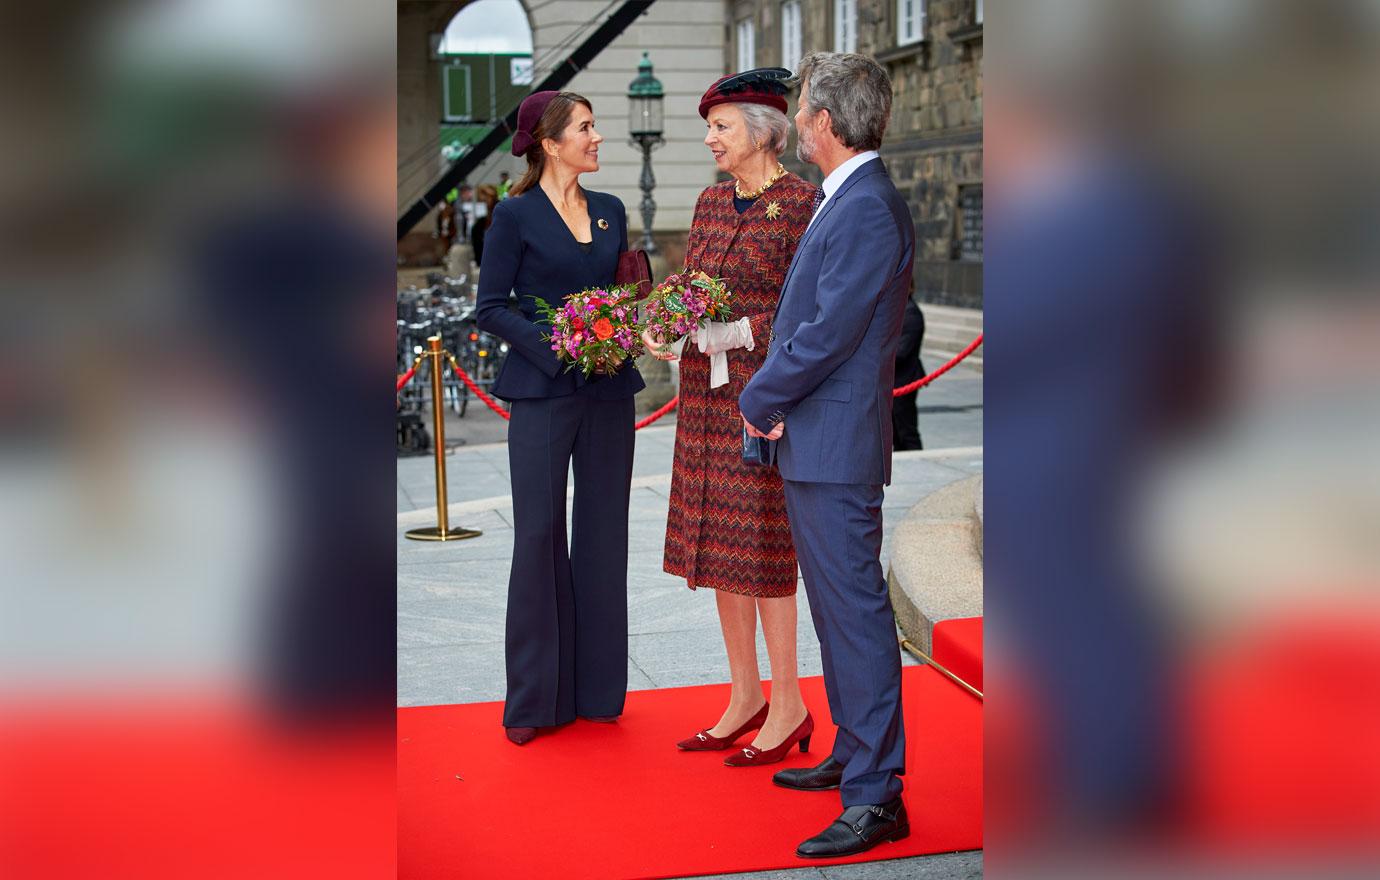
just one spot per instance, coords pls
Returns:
(773, 210)
(603, 224)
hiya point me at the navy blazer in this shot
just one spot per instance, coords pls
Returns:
(529, 250)
(832, 361)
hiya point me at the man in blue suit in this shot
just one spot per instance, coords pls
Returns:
(824, 394)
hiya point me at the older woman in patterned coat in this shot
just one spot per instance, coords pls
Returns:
(727, 527)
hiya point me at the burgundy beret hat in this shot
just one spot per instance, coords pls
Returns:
(529, 114)
(762, 85)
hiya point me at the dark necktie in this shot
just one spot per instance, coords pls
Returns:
(819, 199)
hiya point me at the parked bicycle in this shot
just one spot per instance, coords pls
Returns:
(445, 307)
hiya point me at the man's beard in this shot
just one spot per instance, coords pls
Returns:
(804, 150)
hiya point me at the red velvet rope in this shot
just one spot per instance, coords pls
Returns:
(925, 380)
(671, 404)
(479, 392)
(407, 377)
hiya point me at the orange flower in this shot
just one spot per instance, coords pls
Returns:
(603, 328)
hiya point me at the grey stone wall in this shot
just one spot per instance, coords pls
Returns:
(934, 143)
(933, 147)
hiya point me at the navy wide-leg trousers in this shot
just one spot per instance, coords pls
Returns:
(567, 628)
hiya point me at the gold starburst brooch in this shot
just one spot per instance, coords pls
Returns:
(773, 210)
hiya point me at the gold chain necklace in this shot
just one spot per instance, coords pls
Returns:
(738, 187)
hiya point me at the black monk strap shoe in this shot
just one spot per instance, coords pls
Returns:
(857, 830)
(823, 776)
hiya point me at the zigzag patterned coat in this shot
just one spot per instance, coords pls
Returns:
(727, 527)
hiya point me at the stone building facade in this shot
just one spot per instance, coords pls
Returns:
(931, 48)
(684, 39)
(933, 51)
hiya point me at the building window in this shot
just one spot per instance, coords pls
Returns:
(747, 45)
(970, 223)
(790, 34)
(456, 87)
(977, 13)
(910, 21)
(845, 25)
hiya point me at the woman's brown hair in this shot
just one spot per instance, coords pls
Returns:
(552, 125)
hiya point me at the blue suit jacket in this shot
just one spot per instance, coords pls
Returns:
(528, 249)
(830, 367)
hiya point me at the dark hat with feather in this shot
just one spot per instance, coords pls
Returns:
(762, 85)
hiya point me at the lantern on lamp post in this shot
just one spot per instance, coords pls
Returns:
(644, 130)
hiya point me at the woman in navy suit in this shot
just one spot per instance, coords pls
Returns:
(567, 629)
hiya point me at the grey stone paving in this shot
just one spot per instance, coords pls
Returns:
(451, 597)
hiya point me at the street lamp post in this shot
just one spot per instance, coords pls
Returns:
(644, 129)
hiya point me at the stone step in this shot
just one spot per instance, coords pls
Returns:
(936, 562)
(949, 335)
(952, 316)
(948, 330)
(956, 332)
(956, 328)
(950, 346)
(934, 358)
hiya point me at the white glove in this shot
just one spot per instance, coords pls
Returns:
(716, 340)
(715, 337)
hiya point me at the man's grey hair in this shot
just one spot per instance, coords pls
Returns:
(766, 126)
(855, 90)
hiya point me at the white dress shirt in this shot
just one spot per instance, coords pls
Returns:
(837, 177)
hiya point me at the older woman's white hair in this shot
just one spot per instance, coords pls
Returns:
(768, 127)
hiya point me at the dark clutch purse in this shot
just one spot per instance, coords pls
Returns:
(758, 450)
(634, 267)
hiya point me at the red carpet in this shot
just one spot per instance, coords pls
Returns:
(957, 646)
(619, 801)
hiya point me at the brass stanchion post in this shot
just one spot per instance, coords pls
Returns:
(442, 531)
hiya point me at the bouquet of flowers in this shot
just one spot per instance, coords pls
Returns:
(595, 329)
(682, 302)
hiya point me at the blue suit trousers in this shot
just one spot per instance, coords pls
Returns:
(837, 529)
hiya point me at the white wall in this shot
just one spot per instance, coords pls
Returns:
(686, 42)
